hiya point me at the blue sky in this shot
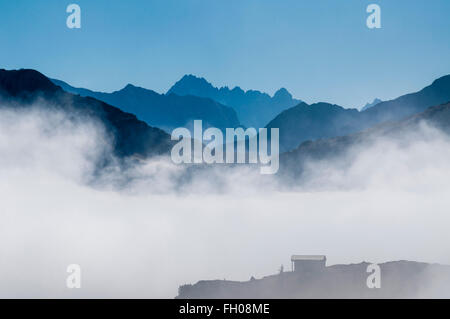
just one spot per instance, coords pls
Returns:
(319, 50)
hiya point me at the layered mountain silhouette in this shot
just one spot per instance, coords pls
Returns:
(254, 108)
(320, 125)
(293, 163)
(310, 122)
(305, 122)
(130, 137)
(436, 93)
(166, 111)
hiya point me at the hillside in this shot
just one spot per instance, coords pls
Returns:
(130, 137)
(292, 164)
(399, 279)
(310, 122)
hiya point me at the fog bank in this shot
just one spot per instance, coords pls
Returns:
(147, 237)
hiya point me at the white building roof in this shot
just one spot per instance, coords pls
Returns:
(308, 257)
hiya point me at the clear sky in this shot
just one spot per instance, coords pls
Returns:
(320, 50)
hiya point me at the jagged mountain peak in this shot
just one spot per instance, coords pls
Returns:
(129, 86)
(371, 104)
(191, 84)
(282, 93)
(254, 108)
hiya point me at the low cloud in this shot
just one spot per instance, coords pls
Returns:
(145, 230)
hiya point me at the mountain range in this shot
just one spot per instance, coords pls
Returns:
(195, 98)
(305, 122)
(316, 131)
(165, 111)
(292, 164)
(254, 108)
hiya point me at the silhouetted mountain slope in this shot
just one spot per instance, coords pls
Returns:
(292, 164)
(131, 137)
(164, 111)
(399, 279)
(23, 82)
(436, 93)
(254, 109)
(310, 122)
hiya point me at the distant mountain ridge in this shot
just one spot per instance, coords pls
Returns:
(296, 124)
(305, 122)
(320, 131)
(254, 108)
(165, 111)
(292, 163)
(436, 93)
